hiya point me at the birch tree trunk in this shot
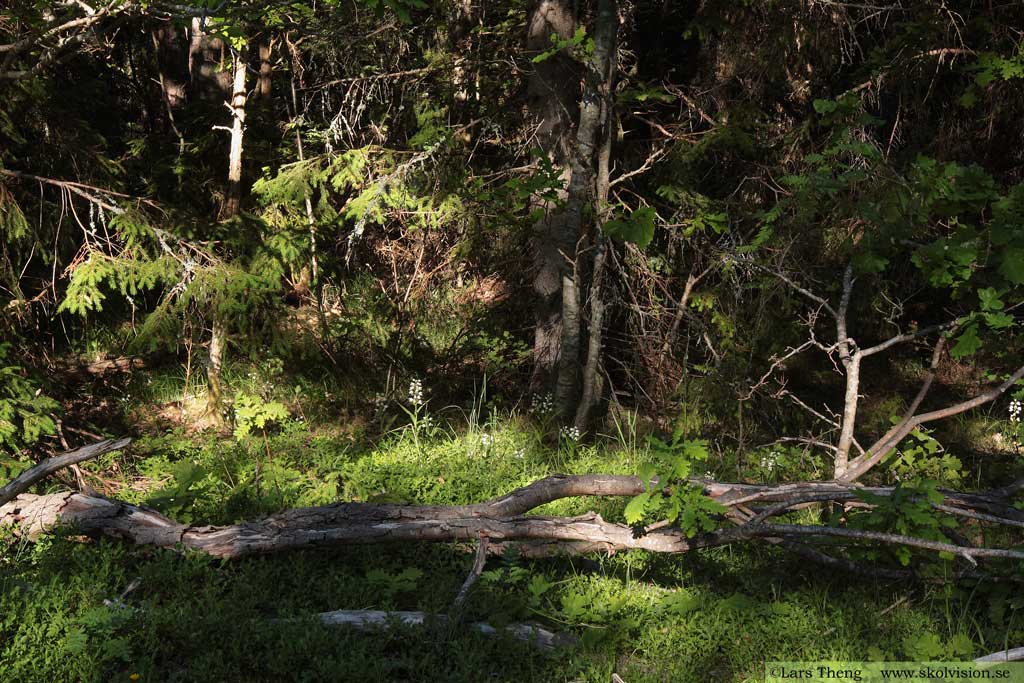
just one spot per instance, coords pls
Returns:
(232, 205)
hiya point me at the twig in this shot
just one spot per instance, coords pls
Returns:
(474, 574)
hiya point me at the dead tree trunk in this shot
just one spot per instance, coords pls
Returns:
(232, 205)
(503, 520)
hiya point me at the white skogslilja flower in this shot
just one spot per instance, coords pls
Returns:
(416, 392)
(486, 440)
(1015, 408)
(769, 461)
(542, 404)
(569, 433)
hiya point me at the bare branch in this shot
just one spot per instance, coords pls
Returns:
(909, 336)
(881, 448)
(777, 361)
(377, 619)
(474, 574)
(47, 467)
(896, 539)
(795, 399)
(797, 288)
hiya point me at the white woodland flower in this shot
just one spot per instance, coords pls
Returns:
(542, 404)
(416, 392)
(569, 433)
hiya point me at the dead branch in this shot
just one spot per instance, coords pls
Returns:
(474, 574)
(40, 471)
(850, 355)
(860, 465)
(501, 520)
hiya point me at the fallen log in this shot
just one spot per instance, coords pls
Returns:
(340, 523)
(501, 520)
(1013, 655)
(367, 619)
(40, 471)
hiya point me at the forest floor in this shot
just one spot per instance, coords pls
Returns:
(103, 611)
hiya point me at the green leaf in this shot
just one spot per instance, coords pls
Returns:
(679, 603)
(637, 228)
(969, 98)
(990, 300)
(999, 321)
(825, 106)
(637, 507)
(967, 343)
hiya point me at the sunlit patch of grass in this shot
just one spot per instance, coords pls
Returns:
(711, 615)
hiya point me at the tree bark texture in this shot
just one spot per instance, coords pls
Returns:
(552, 94)
(591, 380)
(263, 82)
(501, 520)
(232, 205)
(580, 202)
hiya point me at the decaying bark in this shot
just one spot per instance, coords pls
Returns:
(503, 520)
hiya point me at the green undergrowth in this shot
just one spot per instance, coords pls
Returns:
(104, 611)
(716, 616)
